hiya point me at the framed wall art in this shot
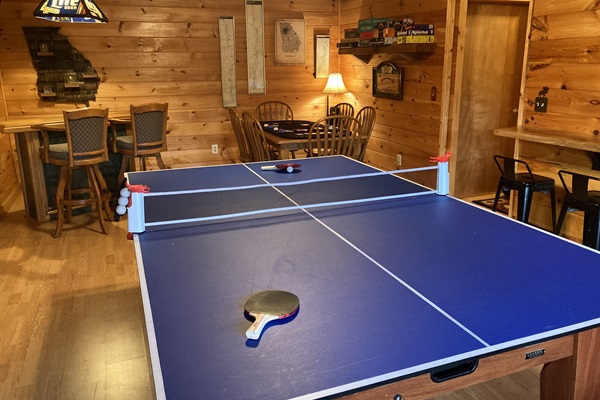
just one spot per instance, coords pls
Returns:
(227, 53)
(290, 42)
(255, 47)
(321, 56)
(387, 81)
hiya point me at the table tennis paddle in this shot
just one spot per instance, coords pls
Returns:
(286, 167)
(268, 306)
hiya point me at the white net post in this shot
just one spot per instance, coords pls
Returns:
(443, 179)
(135, 214)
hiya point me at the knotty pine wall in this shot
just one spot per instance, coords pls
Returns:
(411, 126)
(564, 55)
(168, 51)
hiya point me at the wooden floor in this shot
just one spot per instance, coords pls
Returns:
(71, 322)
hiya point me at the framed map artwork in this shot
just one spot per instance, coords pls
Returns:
(255, 47)
(321, 56)
(290, 43)
(227, 52)
(387, 81)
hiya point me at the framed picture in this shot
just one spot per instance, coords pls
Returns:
(255, 47)
(290, 46)
(387, 81)
(321, 56)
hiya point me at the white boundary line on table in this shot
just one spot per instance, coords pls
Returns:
(380, 266)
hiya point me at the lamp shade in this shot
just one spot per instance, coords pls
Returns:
(335, 84)
(85, 11)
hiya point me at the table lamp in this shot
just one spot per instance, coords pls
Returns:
(335, 85)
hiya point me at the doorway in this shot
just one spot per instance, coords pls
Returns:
(490, 92)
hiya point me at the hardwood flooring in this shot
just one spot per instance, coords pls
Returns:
(71, 319)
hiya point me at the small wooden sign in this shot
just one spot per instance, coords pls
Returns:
(387, 81)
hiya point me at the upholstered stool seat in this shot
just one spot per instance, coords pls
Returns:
(126, 143)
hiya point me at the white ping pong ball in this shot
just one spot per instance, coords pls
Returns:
(124, 192)
(289, 169)
(121, 210)
(123, 201)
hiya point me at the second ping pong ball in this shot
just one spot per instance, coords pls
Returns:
(124, 192)
(289, 168)
(123, 201)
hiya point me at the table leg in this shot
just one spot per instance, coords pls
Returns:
(576, 377)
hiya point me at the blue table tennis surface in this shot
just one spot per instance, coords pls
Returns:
(387, 289)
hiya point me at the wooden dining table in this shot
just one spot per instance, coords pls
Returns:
(286, 136)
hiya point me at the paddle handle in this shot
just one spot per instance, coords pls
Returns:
(269, 168)
(257, 327)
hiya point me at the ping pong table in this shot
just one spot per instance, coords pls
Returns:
(403, 296)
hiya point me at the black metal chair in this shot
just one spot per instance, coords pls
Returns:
(525, 183)
(579, 197)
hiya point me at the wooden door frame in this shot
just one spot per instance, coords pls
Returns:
(459, 73)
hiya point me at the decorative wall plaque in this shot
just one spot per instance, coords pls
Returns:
(387, 81)
(63, 73)
(255, 46)
(290, 46)
(321, 56)
(227, 50)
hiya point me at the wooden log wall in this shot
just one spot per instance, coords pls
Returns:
(168, 51)
(564, 55)
(409, 127)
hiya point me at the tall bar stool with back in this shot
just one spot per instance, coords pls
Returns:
(86, 147)
(148, 138)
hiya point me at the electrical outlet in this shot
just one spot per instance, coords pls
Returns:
(215, 149)
(541, 104)
(399, 160)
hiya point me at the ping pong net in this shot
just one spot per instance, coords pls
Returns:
(171, 209)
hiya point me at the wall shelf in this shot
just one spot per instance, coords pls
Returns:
(409, 51)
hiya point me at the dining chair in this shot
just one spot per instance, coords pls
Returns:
(85, 148)
(334, 135)
(259, 148)
(579, 197)
(525, 183)
(148, 138)
(274, 111)
(342, 109)
(366, 116)
(240, 135)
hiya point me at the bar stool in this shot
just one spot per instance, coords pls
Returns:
(86, 147)
(525, 183)
(148, 138)
(588, 201)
